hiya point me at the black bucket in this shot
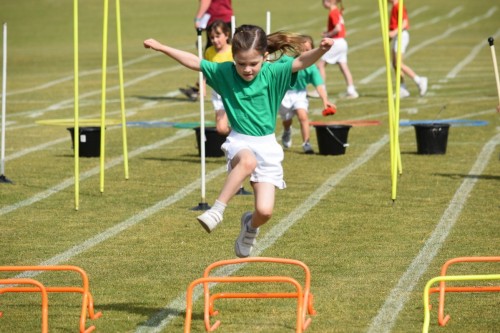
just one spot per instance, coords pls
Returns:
(213, 142)
(432, 138)
(332, 139)
(90, 141)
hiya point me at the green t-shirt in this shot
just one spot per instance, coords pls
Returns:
(310, 75)
(251, 107)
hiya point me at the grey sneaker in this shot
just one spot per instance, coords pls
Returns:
(307, 148)
(246, 240)
(286, 138)
(210, 219)
(422, 86)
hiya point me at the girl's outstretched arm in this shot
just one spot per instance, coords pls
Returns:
(186, 59)
(308, 58)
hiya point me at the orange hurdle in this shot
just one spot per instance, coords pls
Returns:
(87, 300)
(45, 300)
(442, 289)
(303, 295)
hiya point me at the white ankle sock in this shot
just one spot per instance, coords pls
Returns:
(219, 206)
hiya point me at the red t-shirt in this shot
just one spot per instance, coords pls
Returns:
(220, 10)
(393, 24)
(335, 19)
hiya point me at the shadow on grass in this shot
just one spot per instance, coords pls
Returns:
(159, 314)
(459, 175)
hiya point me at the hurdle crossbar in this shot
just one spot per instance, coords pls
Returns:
(87, 300)
(442, 289)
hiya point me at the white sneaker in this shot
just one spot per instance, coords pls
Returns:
(403, 93)
(422, 86)
(210, 219)
(286, 138)
(307, 148)
(246, 240)
(352, 95)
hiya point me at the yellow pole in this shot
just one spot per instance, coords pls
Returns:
(103, 91)
(398, 75)
(390, 94)
(122, 93)
(76, 132)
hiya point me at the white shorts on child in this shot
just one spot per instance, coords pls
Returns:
(405, 40)
(337, 53)
(267, 151)
(293, 100)
(217, 101)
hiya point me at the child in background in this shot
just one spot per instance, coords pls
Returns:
(338, 53)
(420, 81)
(220, 51)
(295, 101)
(251, 90)
(215, 10)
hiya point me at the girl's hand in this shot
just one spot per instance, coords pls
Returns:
(329, 104)
(326, 43)
(152, 44)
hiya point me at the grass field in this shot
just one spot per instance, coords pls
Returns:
(139, 240)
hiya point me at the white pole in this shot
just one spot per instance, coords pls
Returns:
(233, 25)
(268, 22)
(202, 121)
(4, 97)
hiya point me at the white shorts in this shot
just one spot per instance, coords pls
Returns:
(337, 53)
(217, 101)
(405, 40)
(293, 100)
(267, 151)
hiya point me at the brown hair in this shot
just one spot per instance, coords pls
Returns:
(223, 26)
(308, 38)
(247, 37)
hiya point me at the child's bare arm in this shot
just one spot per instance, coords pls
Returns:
(186, 59)
(324, 96)
(308, 58)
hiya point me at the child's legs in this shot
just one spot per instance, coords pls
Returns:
(242, 166)
(286, 111)
(346, 72)
(287, 124)
(304, 123)
(405, 70)
(264, 203)
(405, 41)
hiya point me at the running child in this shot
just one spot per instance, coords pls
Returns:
(295, 101)
(251, 90)
(420, 81)
(338, 53)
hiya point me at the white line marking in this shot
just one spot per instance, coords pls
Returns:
(160, 320)
(387, 315)
(116, 229)
(479, 47)
(433, 40)
(70, 181)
